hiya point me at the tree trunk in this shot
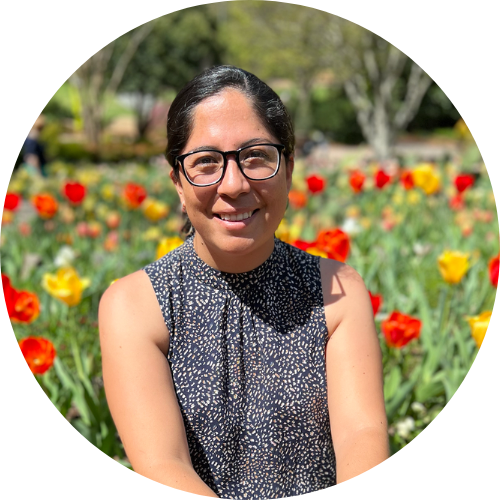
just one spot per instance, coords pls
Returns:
(93, 84)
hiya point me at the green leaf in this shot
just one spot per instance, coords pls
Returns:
(427, 390)
(392, 382)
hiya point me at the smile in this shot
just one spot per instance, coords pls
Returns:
(235, 217)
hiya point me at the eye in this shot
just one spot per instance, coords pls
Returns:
(206, 159)
(258, 153)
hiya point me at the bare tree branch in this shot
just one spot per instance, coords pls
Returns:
(417, 86)
(138, 36)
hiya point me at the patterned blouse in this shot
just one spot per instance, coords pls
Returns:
(247, 355)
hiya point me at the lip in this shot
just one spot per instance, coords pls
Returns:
(236, 224)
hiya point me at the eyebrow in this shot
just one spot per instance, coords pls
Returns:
(257, 140)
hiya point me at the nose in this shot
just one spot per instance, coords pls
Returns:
(234, 182)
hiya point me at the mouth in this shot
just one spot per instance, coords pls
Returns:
(236, 217)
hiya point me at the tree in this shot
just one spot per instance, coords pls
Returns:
(383, 84)
(278, 40)
(275, 39)
(179, 46)
(94, 80)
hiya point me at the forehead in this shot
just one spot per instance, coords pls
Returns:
(225, 120)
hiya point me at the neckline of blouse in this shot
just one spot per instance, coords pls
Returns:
(224, 280)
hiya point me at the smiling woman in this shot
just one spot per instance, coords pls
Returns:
(216, 356)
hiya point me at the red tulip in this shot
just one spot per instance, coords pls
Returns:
(376, 302)
(10, 294)
(38, 352)
(304, 245)
(12, 201)
(381, 178)
(134, 195)
(356, 180)
(315, 183)
(74, 192)
(399, 329)
(463, 182)
(457, 202)
(407, 179)
(335, 243)
(493, 268)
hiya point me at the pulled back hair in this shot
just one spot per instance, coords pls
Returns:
(213, 81)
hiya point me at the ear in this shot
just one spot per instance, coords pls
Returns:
(289, 171)
(178, 187)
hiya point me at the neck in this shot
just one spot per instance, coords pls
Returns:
(240, 260)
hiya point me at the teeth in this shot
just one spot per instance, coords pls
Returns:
(234, 218)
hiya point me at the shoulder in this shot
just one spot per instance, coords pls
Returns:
(129, 308)
(344, 293)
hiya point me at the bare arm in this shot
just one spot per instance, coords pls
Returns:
(354, 373)
(139, 386)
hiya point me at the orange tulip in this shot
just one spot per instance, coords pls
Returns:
(45, 204)
(134, 195)
(356, 181)
(26, 307)
(335, 243)
(22, 306)
(113, 219)
(297, 199)
(38, 352)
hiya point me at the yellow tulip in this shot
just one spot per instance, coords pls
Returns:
(413, 197)
(283, 231)
(426, 178)
(463, 130)
(155, 210)
(65, 285)
(317, 252)
(166, 245)
(479, 325)
(108, 192)
(151, 234)
(453, 266)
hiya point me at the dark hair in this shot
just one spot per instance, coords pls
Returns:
(213, 81)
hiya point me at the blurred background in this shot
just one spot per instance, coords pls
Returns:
(342, 84)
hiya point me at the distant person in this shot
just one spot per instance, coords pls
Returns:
(32, 153)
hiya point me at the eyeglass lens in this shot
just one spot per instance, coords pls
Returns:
(257, 162)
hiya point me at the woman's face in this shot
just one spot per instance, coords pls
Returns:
(227, 122)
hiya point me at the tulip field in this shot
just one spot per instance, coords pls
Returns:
(423, 235)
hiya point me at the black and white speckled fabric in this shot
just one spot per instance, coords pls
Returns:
(247, 354)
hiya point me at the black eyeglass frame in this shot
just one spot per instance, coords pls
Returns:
(180, 159)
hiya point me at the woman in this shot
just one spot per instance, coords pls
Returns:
(216, 357)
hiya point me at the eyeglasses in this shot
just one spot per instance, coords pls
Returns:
(257, 162)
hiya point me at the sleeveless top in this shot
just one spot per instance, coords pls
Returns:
(247, 356)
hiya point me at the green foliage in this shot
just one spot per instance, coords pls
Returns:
(180, 45)
(333, 114)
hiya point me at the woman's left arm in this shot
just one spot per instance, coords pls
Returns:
(354, 373)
